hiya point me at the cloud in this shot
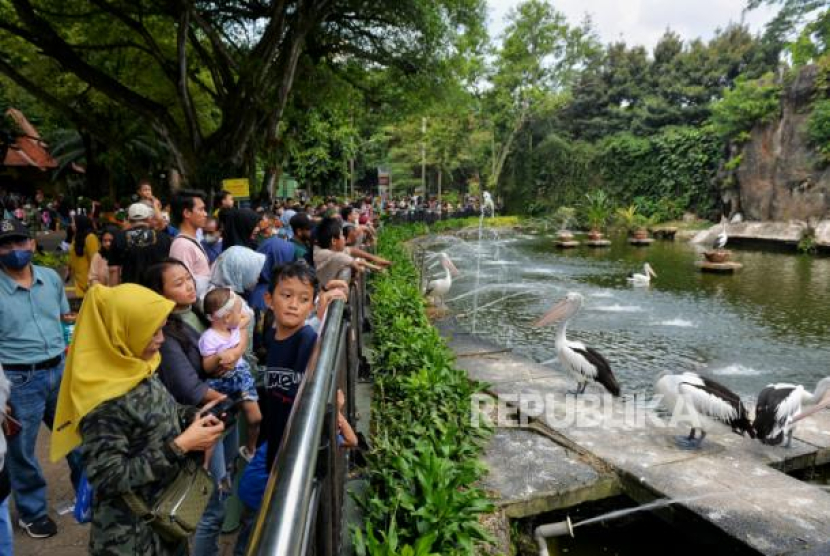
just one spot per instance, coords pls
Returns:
(645, 21)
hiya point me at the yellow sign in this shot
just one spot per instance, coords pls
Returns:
(238, 187)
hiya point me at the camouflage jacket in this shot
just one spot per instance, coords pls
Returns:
(126, 447)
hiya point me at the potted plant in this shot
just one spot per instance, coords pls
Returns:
(563, 216)
(597, 210)
(641, 224)
(627, 218)
(717, 256)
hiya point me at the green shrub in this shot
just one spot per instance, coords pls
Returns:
(749, 102)
(818, 127)
(422, 471)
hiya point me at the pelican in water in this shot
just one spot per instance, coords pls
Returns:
(720, 241)
(643, 279)
(698, 402)
(780, 404)
(440, 287)
(583, 362)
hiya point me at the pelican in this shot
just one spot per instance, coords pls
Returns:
(779, 405)
(698, 401)
(643, 279)
(487, 204)
(583, 362)
(720, 241)
(438, 288)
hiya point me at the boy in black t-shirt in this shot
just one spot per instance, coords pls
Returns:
(289, 347)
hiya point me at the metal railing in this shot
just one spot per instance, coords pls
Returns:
(301, 511)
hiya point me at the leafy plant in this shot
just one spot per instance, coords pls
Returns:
(818, 127)
(50, 260)
(422, 471)
(750, 102)
(597, 209)
(564, 216)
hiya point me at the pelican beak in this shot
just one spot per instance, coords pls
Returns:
(651, 271)
(554, 314)
(449, 265)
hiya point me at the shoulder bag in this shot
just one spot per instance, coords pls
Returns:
(180, 506)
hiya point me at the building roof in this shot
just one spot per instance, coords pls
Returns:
(28, 149)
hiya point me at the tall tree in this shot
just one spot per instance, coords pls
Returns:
(208, 78)
(539, 57)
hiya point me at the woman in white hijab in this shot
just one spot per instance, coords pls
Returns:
(237, 268)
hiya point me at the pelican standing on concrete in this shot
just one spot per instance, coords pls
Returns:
(698, 402)
(643, 279)
(438, 288)
(779, 405)
(583, 362)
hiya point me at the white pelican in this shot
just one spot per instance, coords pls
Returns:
(720, 241)
(487, 204)
(643, 279)
(779, 404)
(438, 288)
(698, 401)
(583, 362)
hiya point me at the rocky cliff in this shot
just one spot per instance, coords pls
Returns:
(780, 177)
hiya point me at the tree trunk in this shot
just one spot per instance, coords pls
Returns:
(439, 189)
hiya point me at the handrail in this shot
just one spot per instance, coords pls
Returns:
(286, 517)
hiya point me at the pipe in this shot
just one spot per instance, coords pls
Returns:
(557, 529)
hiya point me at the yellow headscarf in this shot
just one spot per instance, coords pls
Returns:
(114, 327)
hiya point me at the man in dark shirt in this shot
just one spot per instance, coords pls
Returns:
(137, 248)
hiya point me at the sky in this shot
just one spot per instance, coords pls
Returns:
(645, 21)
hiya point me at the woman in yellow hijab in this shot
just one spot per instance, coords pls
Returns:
(133, 436)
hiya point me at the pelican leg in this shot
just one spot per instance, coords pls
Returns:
(689, 442)
(789, 439)
(580, 388)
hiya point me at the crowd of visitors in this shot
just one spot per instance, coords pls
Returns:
(185, 305)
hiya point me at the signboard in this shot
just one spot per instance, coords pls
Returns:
(238, 187)
(384, 181)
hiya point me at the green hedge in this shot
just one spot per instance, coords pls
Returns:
(422, 470)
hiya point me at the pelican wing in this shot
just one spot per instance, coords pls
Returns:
(603, 373)
(718, 402)
(771, 411)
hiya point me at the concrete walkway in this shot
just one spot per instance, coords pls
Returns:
(736, 482)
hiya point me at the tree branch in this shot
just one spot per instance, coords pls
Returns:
(53, 46)
(78, 118)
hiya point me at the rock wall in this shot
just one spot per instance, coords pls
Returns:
(780, 176)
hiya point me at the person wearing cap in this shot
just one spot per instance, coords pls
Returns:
(137, 247)
(32, 301)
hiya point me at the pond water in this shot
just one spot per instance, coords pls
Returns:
(769, 322)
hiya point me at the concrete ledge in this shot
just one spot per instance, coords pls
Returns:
(789, 233)
(823, 239)
(733, 484)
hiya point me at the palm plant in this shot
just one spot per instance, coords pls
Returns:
(597, 209)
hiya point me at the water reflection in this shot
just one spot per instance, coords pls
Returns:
(766, 323)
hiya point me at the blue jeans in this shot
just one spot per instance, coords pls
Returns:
(5, 529)
(206, 538)
(33, 399)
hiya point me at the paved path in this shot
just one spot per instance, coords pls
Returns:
(739, 487)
